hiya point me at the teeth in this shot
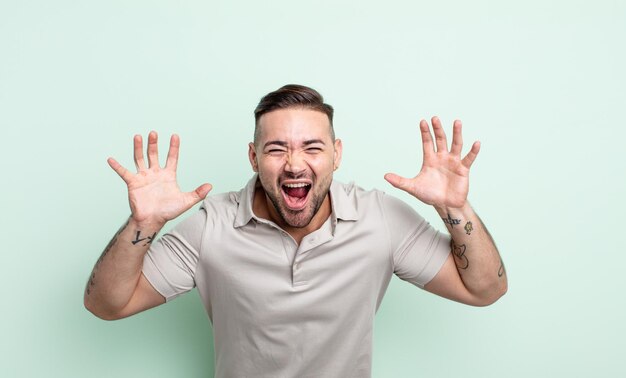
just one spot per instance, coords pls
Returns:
(299, 185)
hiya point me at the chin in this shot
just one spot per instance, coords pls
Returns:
(298, 220)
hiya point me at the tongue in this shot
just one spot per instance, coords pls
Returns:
(296, 192)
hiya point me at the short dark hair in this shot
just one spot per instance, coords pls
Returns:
(292, 96)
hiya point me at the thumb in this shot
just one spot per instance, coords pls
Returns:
(202, 191)
(398, 181)
(198, 194)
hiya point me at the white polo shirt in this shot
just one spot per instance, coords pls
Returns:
(280, 309)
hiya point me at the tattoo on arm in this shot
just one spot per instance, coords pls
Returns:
(91, 282)
(501, 271)
(468, 228)
(451, 221)
(148, 238)
(458, 251)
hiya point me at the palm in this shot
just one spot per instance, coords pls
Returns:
(444, 177)
(153, 192)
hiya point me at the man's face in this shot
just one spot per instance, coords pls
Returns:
(295, 158)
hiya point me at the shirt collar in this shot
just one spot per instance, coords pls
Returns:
(245, 198)
(342, 201)
(343, 207)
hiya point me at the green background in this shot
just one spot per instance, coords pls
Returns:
(540, 83)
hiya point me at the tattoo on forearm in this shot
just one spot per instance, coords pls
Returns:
(148, 238)
(501, 271)
(451, 221)
(91, 281)
(458, 251)
(468, 228)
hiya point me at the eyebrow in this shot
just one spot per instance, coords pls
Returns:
(277, 142)
(312, 141)
(285, 144)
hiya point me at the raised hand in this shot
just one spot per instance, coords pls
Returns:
(153, 192)
(443, 180)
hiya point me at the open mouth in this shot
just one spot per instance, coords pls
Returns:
(296, 194)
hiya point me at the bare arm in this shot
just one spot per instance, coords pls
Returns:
(116, 286)
(474, 273)
(474, 259)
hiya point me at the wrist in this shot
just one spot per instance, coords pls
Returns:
(141, 233)
(444, 211)
(146, 225)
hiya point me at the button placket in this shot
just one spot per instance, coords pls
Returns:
(302, 256)
(296, 270)
(289, 247)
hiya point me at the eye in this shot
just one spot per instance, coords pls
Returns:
(314, 150)
(275, 151)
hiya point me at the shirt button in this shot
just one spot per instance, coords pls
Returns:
(296, 266)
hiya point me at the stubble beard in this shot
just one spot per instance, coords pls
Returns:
(298, 218)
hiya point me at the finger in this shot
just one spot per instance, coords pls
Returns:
(468, 160)
(172, 154)
(397, 181)
(427, 139)
(457, 138)
(198, 195)
(153, 149)
(440, 135)
(202, 191)
(121, 171)
(138, 151)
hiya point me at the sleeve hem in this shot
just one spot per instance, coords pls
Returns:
(157, 280)
(439, 255)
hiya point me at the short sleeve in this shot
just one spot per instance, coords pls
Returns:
(418, 249)
(170, 263)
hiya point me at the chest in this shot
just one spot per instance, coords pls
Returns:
(262, 270)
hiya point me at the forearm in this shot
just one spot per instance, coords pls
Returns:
(477, 259)
(117, 271)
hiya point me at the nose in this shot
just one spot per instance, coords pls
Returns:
(295, 164)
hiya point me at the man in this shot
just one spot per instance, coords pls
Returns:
(293, 267)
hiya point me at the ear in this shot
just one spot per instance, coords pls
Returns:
(252, 155)
(338, 152)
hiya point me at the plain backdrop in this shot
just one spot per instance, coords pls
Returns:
(539, 83)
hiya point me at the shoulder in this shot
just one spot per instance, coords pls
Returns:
(353, 191)
(222, 203)
(352, 197)
(226, 199)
